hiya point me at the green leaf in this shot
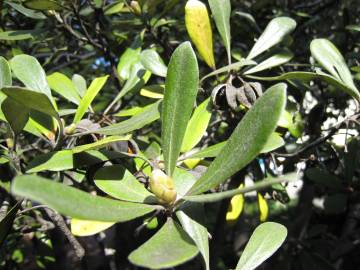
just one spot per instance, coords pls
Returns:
(89, 96)
(198, 233)
(53, 161)
(169, 247)
(31, 99)
(29, 71)
(129, 58)
(234, 66)
(18, 35)
(62, 85)
(221, 10)
(211, 151)
(99, 144)
(114, 8)
(66, 160)
(119, 183)
(15, 113)
(80, 84)
(143, 118)
(198, 26)
(137, 79)
(331, 59)
(218, 196)
(197, 126)
(275, 141)
(43, 5)
(152, 61)
(7, 222)
(353, 27)
(247, 140)
(276, 60)
(273, 34)
(308, 76)
(264, 242)
(181, 87)
(63, 198)
(27, 12)
(5, 73)
(183, 181)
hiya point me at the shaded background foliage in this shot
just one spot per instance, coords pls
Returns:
(323, 221)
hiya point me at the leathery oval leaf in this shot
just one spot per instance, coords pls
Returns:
(169, 247)
(63, 198)
(265, 241)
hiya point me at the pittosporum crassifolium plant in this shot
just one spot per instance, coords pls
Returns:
(154, 167)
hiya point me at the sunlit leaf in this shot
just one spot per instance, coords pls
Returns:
(146, 116)
(263, 207)
(273, 34)
(119, 183)
(99, 144)
(152, 61)
(169, 247)
(94, 88)
(198, 233)
(196, 127)
(63, 198)
(331, 59)
(221, 10)
(129, 58)
(264, 242)
(273, 61)
(236, 206)
(81, 227)
(199, 29)
(181, 88)
(29, 71)
(62, 85)
(275, 141)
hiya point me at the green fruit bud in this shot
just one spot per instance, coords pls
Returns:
(135, 7)
(162, 186)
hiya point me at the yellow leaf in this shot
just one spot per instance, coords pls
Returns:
(88, 227)
(263, 208)
(191, 162)
(236, 207)
(198, 26)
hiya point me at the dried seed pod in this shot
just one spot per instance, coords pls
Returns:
(231, 96)
(242, 98)
(257, 87)
(218, 96)
(162, 186)
(249, 93)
